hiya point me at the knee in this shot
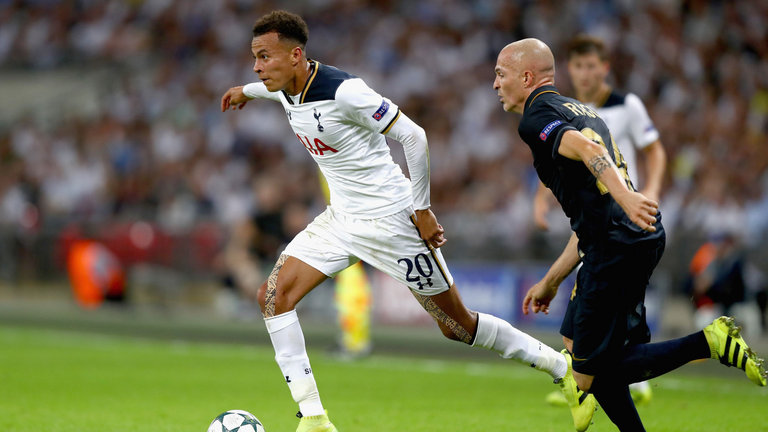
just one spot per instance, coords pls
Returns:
(583, 381)
(276, 300)
(568, 344)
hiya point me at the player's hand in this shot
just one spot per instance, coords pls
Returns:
(538, 297)
(431, 231)
(651, 194)
(234, 98)
(640, 209)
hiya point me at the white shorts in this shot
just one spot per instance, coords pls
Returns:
(391, 244)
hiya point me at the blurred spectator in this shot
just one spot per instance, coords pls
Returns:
(717, 278)
(255, 241)
(95, 274)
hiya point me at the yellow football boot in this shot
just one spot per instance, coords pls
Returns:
(317, 423)
(727, 345)
(583, 405)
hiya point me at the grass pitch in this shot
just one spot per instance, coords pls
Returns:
(69, 381)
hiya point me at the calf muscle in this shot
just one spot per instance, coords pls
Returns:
(444, 320)
(269, 296)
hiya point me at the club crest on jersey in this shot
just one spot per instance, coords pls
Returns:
(317, 117)
(288, 113)
(381, 111)
(548, 129)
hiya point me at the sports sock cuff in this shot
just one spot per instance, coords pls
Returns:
(559, 367)
(487, 329)
(311, 408)
(279, 322)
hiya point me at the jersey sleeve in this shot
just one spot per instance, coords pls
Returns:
(366, 107)
(414, 141)
(259, 90)
(641, 128)
(545, 127)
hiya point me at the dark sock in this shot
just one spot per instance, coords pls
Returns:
(646, 361)
(640, 363)
(615, 400)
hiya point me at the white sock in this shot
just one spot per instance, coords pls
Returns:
(640, 386)
(291, 355)
(498, 335)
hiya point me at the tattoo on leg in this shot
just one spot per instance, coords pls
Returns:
(441, 317)
(598, 164)
(269, 296)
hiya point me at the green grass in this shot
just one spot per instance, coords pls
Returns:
(69, 381)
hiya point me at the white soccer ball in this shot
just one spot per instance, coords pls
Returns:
(236, 421)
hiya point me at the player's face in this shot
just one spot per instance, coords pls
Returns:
(274, 61)
(587, 72)
(509, 84)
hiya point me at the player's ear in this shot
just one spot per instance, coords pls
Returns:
(296, 55)
(527, 78)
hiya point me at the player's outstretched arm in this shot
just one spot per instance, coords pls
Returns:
(641, 210)
(540, 295)
(237, 97)
(234, 98)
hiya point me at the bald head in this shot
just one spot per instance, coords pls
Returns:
(521, 68)
(531, 54)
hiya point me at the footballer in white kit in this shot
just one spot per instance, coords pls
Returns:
(342, 123)
(631, 127)
(375, 214)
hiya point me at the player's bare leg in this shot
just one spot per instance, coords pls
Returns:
(456, 322)
(290, 280)
(487, 331)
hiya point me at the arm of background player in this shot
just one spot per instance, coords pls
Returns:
(237, 97)
(645, 137)
(641, 210)
(541, 205)
(540, 295)
(414, 141)
(655, 165)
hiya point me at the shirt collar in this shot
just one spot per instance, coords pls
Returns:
(314, 66)
(543, 89)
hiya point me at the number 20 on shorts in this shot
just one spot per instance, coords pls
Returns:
(422, 264)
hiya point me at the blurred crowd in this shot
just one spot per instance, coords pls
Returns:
(149, 142)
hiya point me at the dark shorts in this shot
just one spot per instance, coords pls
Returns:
(606, 311)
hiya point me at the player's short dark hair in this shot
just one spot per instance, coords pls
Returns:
(585, 44)
(287, 26)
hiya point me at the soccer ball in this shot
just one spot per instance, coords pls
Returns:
(236, 421)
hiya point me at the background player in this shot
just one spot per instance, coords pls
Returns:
(632, 130)
(375, 215)
(618, 237)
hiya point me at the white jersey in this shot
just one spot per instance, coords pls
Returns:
(630, 126)
(341, 122)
